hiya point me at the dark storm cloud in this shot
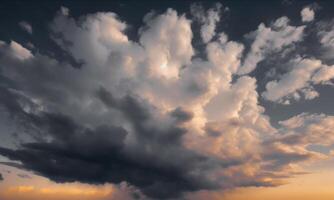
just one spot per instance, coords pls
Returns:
(181, 115)
(157, 162)
(97, 155)
(139, 113)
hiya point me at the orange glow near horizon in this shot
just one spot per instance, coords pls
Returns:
(59, 193)
(35, 187)
(305, 187)
(317, 185)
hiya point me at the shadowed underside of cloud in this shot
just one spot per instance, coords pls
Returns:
(152, 112)
(98, 156)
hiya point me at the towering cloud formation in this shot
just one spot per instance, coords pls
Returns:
(155, 114)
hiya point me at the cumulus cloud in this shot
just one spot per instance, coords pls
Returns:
(303, 75)
(26, 26)
(306, 129)
(151, 113)
(208, 20)
(15, 50)
(267, 40)
(307, 14)
(325, 34)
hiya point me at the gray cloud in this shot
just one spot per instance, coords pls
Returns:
(208, 20)
(26, 26)
(154, 115)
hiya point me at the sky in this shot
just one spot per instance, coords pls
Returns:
(179, 100)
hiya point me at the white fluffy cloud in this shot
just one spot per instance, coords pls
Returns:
(307, 14)
(269, 40)
(167, 43)
(299, 80)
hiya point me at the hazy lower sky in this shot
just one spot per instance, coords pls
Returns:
(180, 100)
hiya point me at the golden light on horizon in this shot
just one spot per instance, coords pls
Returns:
(36, 187)
(316, 185)
(55, 192)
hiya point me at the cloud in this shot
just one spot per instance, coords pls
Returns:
(15, 50)
(167, 43)
(297, 134)
(325, 33)
(153, 114)
(207, 19)
(303, 75)
(65, 11)
(291, 146)
(306, 129)
(307, 14)
(267, 40)
(26, 26)
(24, 176)
(102, 151)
